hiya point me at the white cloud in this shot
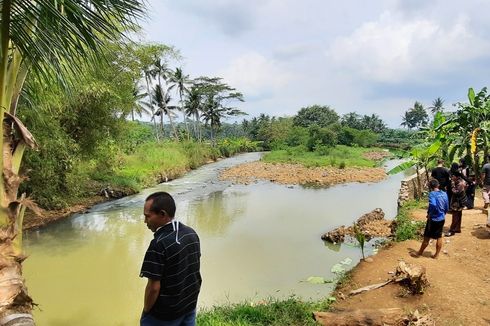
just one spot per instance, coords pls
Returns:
(392, 50)
(255, 75)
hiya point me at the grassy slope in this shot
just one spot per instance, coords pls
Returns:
(337, 157)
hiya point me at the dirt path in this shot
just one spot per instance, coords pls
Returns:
(460, 278)
(298, 174)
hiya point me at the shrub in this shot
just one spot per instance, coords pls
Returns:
(320, 137)
(406, 228)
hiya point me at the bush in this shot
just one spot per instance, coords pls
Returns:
(406, 228)
(320, 137)
(297, 136)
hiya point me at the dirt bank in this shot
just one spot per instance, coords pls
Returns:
(459, 292)
(298, 174)
(101, 194)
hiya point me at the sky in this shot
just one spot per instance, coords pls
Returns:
(368, 57)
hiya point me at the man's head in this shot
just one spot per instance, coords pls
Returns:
(433, 184)
(159, 210)
(440, 161)
(456, 175)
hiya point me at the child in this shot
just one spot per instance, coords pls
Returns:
(436, 215)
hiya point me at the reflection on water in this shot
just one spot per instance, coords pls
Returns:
(214, 213)
(258, 240)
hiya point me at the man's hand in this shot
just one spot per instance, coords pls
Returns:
(152, 291)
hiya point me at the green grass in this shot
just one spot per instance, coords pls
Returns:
(406, 228)
(291, 311)
(152, 162)
(339, 156)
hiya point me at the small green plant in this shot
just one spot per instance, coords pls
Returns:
(360, 237)
(342, 165)
(406, 228)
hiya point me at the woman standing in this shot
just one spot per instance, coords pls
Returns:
(458, 202)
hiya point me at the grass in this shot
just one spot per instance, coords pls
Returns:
(406, 228)
(291, 311)
(153, 162)
(339, 156)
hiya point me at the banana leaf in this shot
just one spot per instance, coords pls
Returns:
(402, 167)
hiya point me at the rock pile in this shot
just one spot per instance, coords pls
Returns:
(371, 225)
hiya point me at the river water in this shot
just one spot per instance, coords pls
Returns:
(260, 240)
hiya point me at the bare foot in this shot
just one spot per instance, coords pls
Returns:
(435, 256)
(415, 254)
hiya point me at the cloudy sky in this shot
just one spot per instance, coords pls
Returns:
(366, 56)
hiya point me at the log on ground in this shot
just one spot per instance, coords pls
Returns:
(362, 317)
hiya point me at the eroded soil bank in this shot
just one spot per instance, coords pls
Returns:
(459, 291)
(300, 175)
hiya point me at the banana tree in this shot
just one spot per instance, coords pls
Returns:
(420, 157)
(48, 38)
(468, 128)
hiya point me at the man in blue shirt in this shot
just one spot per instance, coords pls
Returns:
(436, 214)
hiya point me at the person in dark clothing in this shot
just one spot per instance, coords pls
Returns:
(470, 181)
(458, 202)
(441, 174)
(171, 265)
(485, 180)
(436, 215)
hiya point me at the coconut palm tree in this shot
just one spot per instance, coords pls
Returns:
(48, 38)
(139, 106)
(214, 112)
(180, 81)
(192, 107)
(161, 98)
(437, 106)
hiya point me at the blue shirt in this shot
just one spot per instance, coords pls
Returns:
(438, 205)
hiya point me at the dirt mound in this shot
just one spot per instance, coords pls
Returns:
(376, 156)
(371, 224)
(299, 174)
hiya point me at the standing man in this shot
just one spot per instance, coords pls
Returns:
(441, 174)
(485, 177)
(171, 265)
(436, 216)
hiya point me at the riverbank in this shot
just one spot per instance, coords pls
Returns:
(459, 279)
(298, 174)
(145, 170)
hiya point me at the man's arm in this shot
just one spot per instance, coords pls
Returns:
(151, 294)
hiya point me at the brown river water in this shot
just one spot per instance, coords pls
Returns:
(258, 241)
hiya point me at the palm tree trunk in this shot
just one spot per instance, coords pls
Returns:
(161, 126)
(173, 126)
(15, 303)
(199, 127)
(185, 117)
(152, 109)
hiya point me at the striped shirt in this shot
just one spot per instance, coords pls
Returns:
(173, 257)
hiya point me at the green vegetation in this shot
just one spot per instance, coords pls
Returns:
(340, 156)
(291, 311)
(360, 237)
(462, 134)
(406, 228)
(50, 40)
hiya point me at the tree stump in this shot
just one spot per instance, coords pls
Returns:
(413, 277)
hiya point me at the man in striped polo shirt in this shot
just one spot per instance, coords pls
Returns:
(171, 265)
